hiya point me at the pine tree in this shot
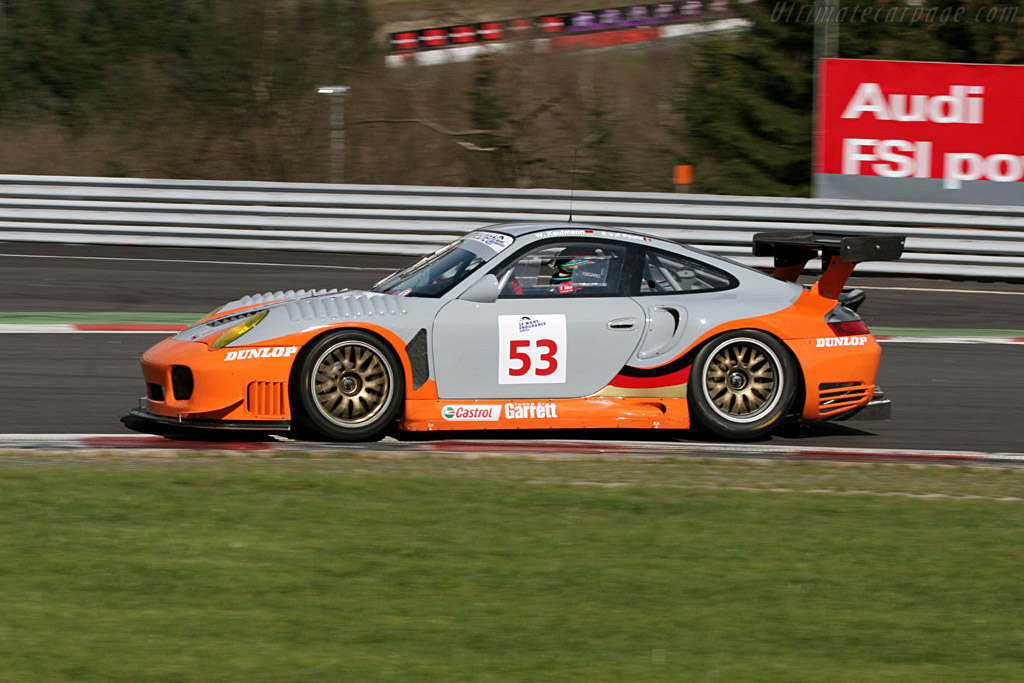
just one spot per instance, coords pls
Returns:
(748, 108)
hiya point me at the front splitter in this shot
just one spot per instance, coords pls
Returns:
(193, 423)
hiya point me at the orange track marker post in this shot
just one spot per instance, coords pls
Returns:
(683, 178)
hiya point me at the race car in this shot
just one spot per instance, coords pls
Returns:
(537, 326)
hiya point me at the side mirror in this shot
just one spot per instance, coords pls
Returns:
(484, 291)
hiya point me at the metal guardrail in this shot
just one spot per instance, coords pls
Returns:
(947, 240)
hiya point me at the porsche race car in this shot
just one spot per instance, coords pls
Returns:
(534, 326)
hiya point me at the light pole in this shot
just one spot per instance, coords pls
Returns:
(826, 45)
(337, 95)
(826, 29)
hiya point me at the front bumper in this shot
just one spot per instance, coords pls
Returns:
(189, 382)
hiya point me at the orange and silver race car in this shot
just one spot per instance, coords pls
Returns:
(539, 326)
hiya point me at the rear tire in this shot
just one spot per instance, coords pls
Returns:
(741, 384)
(347, 386)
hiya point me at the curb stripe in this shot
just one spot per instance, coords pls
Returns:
(160, 442)
(141, 327)
(884, 339)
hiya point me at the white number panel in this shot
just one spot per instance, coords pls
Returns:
(531, 349)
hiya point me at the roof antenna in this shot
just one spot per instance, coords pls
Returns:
(572, 182)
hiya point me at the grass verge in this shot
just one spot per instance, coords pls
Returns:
(427, 569)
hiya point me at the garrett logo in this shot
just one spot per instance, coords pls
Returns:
(841, 341)
(262, 352)
(525, 411)
(471, 413)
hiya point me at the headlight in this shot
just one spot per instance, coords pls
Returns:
(238, 330)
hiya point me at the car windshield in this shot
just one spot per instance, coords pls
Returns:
(435, 274)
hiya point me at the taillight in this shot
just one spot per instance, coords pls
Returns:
(849, 329)
(845, 323)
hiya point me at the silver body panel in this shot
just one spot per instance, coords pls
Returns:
(468, 350)
(699, 313)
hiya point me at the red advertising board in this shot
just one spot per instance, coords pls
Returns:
(920, 131)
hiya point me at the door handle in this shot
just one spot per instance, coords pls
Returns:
(622, 324)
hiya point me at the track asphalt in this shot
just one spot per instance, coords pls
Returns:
(964, 393)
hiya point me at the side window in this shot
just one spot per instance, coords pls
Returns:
(564, 270)
(666, 273)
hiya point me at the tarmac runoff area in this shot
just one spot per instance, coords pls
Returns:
(119, 445)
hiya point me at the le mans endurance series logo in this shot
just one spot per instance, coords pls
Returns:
(528, 323)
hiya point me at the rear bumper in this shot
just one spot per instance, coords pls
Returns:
(879, 408)
(194, 423)
(838, 379)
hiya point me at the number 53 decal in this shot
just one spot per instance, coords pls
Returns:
(531, 349)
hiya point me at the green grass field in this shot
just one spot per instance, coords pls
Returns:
(217, 568)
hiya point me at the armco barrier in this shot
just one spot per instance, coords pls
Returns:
(947, 240)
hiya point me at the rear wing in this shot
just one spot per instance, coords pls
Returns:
(839, 254)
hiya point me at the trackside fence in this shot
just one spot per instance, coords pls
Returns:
(944, 240)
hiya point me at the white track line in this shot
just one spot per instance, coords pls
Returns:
(218, 263)
(388, 270)
(61, 328)
(42, 328)
(949, 340)
(64, 437)
(945, 291)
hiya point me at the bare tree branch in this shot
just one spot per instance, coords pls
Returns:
(476, 148)
(437, 127)
(538, 110)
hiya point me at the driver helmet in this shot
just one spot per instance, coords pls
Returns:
(566, 261)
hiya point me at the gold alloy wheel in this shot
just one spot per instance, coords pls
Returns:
(742, 380)
(352, 383)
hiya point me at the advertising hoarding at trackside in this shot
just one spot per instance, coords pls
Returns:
(920, 131)
(609, 19)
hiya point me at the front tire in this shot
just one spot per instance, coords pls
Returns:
(348, 386)
(741, 384)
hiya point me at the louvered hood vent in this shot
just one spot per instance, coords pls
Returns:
(254, 299)
(345, 306)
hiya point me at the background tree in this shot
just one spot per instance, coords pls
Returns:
(748, 108)
(226, 89)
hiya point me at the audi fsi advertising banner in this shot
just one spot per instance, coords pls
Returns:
(920, 131)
